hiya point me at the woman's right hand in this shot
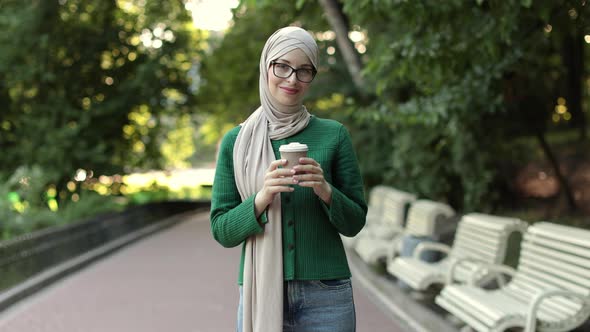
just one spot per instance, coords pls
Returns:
(277, 180)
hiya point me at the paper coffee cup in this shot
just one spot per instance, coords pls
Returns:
(292, 152)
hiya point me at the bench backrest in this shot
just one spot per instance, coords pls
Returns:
(554, 256)
(484, 236)
(395, 206)
(375, 208)
(426, 216)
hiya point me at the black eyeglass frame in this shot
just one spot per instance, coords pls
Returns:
(293, 70)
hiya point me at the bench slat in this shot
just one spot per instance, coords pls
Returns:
(565, 259)
(477, 240)
(491, 222)
(559, 266)
(573, 235)
(461, 251)
(554, 281)
(479, 245)
(526, 287)
(552, 244)
(470, 229)
(469, 234)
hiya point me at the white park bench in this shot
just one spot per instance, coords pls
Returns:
(378, 235)
(425, 218)
(374, 214)
(548, 291)
(428, 221)
(480, 238)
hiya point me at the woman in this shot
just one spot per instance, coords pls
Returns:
(289, 217)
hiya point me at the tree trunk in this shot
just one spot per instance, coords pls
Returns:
(573, 58)
(560, 177)
(338, 22)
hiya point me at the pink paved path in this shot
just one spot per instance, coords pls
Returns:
(179, 279)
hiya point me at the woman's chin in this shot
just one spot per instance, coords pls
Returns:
(289, 101)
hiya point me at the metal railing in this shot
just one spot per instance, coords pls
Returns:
(30, 254)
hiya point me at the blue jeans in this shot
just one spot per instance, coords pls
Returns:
(315, 306)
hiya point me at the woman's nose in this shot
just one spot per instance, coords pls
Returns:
(292, 78)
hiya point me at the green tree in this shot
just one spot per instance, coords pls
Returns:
(457, 82)
(87, 84)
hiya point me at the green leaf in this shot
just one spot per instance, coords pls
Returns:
(248, 3)
(299, 4)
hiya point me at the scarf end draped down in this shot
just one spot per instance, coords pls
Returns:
(263, 271)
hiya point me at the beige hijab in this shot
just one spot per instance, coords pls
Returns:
(253, 153)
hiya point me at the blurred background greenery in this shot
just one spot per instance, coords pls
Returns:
(481, 104)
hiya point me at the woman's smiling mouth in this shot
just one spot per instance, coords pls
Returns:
(289, 91)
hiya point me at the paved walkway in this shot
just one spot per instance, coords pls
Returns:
(179, 279)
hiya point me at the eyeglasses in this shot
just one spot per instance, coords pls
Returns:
(283, 70)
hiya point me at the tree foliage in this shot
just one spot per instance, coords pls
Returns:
(91, 84)
(456, 82)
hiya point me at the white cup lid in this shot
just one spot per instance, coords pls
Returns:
(293, 147)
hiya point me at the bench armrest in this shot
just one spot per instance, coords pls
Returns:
(497, 269)
(531, 323)
(395, 247)
(458, 261)
(435, 246)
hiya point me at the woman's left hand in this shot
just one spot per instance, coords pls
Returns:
(310, 174)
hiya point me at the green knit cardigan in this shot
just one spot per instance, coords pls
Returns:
(312, 248)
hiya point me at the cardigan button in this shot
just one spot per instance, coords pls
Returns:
(290, 222)
(291, 247)
(287, 199)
